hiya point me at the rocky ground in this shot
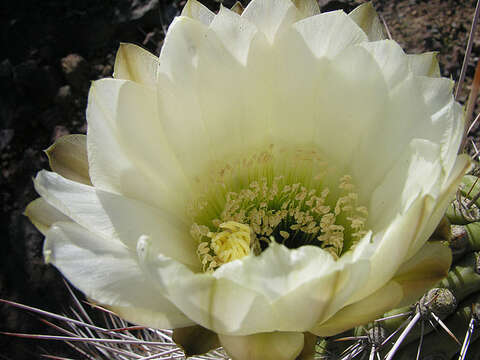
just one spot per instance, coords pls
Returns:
(52, 49)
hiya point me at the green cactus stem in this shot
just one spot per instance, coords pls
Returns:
(460, 212)
(462, 278)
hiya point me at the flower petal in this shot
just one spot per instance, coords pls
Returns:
(437, 209)
(390, 246)
(68, 157)
(299, 95)
(43, 215)
(198, 133)
(409, 231)
(410, 117)
(453, 135)
(116, 217)
(106, 272)
(390, 58)
(426, 268)
(184, 125)
(196, 10)
(271, 16)
(417, 173)
(429, 266)
(425, 64)
(263, 346)
(162, 315)
(361, 312)
(146, 143)
(307, 8)
(113, 168)
(437, 92)
(135, 64)
(329, 33)
(367, 18)
(261, 293)
(226, 25)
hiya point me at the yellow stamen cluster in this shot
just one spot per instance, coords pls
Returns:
(232, 243)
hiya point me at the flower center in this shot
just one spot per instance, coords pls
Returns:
(252, 210)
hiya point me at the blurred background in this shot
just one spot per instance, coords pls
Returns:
(50, 52)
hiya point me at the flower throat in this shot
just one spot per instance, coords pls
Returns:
(243, 214)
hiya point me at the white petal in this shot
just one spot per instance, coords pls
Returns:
(329, 33)
(106, 272)
(427, 267)
(162, 315)
(43, 215)
(425, 64)
(306, 111)
(285, 290)
(371, 307)
(437, 92)
(264, 346)
(437, 209)
(113, 216)
(412, 279)
(234, 32)
(410, 230)
(135, 64)
(198, 132)
(409, 117)
(390, 247)
(453, 136)
(417, 173)
(195, 10)
(390, 58)
(68, 157)
(179, 108)
(367, 18)
(271, 16)
(307, 8)
(110, 165)
(142, 138)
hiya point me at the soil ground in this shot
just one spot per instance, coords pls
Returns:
(52, 49)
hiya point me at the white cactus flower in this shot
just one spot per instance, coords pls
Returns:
(272, 175)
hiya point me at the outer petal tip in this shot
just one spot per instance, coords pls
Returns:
(136, 64)
(238, 8)
(195, 10)
(367, 18)
(68, 157)
(307, 8)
